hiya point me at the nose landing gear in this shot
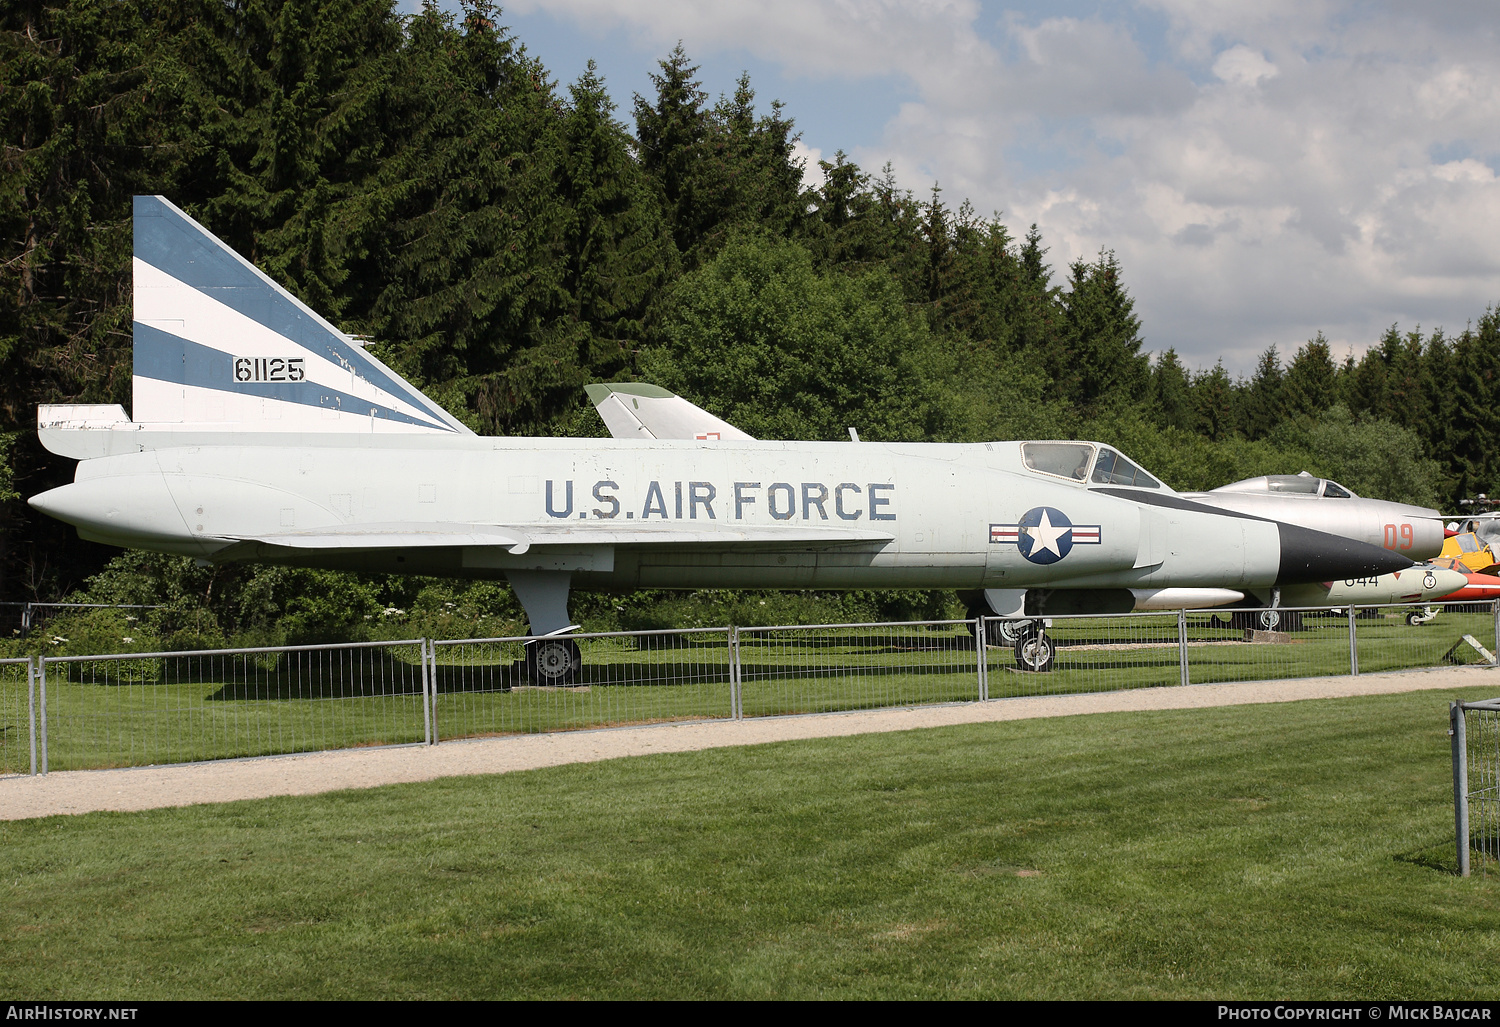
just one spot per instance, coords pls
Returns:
(1035, 650)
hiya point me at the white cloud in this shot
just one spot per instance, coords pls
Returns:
(1262, 170)
(851, 38)
(1243, 66)
(812, 174)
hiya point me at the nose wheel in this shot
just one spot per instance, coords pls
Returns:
(553, 661)
(1035, 650)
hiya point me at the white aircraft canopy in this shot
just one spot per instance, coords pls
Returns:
(1302, 484)
(1064, 459)
(1113, 469)
(1073, 459)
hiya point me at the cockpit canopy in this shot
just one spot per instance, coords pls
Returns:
(1075, 460)
(1302, 484)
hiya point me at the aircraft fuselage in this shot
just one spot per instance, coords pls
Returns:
(625, 514)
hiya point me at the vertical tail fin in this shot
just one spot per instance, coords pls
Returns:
(218, 343)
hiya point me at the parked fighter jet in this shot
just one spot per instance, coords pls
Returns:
(633, 410)
(1421, 584)
(1477, 587)
(1324, 505)
(261, 432)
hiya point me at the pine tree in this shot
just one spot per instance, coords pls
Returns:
(841, 228)
(1369, 384)
(1171, 399)
(1214, 403)
(88, 116)
(669, 135)
(1101, 360)
(618, 255)
(1311, 383)
(1034, 268)
(85, 126)
(1263, 402)
(937, 270)
(1475, 437)
(1434, 378)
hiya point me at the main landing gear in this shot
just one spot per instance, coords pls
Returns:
(1000, 631)
(553, 661)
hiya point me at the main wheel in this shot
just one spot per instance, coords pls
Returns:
(1270, 619)
(1415, 617)
(553, 661)
(1006, 632)
(1035, 650)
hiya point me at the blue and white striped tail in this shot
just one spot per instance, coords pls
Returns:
(219, 345)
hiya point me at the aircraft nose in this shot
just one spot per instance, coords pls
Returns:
(1308, 555)
(1445, 582)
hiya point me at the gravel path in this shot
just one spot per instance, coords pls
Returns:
(84, 791)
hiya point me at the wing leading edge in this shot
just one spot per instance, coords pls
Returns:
(516, 540)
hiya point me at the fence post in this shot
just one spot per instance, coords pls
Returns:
(984, 663)
(736, 704)
(31, 706)
(1353, 647)
(432, 697)
(1182, 660)
(429, 675)
(42, 685)
(1496, 650)
(1458, 731)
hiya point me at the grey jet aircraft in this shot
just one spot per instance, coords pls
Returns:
(259, 431)
(637, 410)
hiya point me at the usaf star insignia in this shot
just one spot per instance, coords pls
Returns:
(1045, 535)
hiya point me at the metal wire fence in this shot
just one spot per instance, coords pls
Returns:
(1401, 638)
(1475, 729)
(17, 716)
(145, 708)
(151, 708)
(486, 687)
(1224, 646)
(1087, 654)
(34, 615)
(820, 668)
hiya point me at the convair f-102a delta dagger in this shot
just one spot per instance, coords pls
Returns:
(261, 432)
(634, 410)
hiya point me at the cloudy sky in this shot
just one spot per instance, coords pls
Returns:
(1263, 170)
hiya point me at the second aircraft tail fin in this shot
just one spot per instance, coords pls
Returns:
(634, 410)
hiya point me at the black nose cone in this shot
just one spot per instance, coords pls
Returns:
(1308, 555)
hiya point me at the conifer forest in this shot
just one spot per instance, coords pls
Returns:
(504, 239)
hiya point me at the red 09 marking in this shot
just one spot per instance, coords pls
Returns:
(1401, 532)
(269, 369)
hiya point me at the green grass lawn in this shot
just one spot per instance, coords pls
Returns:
(118, 713)
(1300, 850)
